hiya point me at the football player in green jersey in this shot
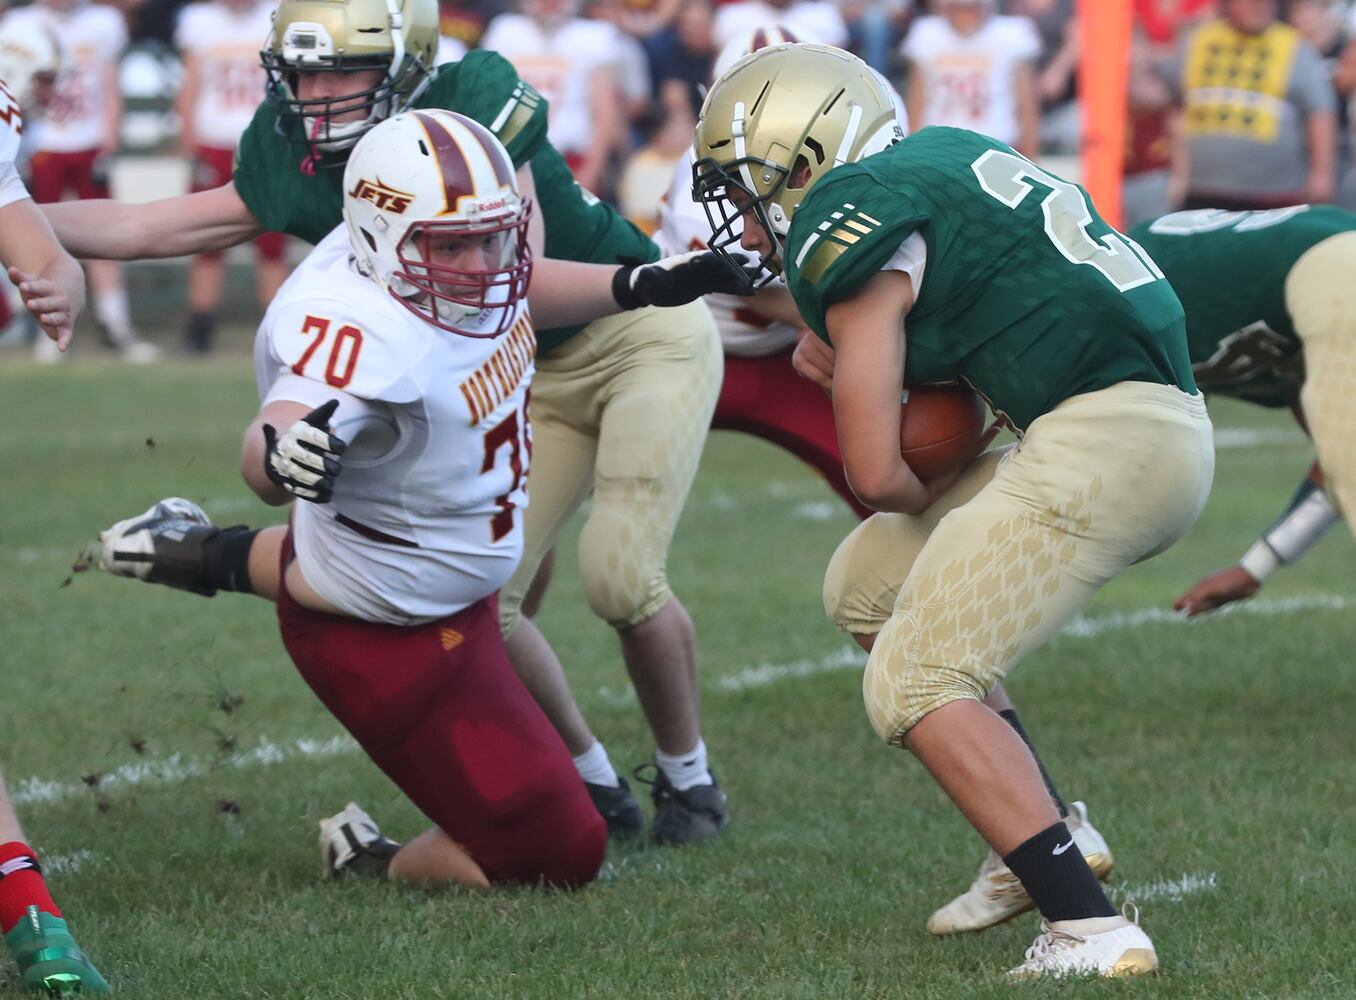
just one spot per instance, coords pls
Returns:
(620, 406)
(1268, 298)
(943, 257)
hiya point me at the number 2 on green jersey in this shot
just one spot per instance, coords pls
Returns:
(1007, 177)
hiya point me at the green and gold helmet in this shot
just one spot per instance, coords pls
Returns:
(399, 38)
(772, 125)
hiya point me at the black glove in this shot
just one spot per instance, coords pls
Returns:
(683, 278)
(305, 460)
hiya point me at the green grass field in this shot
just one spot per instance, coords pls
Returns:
(172, 766)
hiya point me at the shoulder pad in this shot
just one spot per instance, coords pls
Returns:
(375, 358)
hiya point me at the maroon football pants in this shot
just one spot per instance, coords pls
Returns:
(439, 708)
(766, 398)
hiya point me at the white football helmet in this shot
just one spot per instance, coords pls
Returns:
(29, 60)
(434, 216)
(747, 42)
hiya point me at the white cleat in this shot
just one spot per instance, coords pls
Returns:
(1122, 949)
(996, 894)
(131, 547)
(350, 842)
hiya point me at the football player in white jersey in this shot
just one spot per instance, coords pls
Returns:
(53, 288)
(570, 61)
(219, 43)
(78, 136)
(393, 370)
(972, 68)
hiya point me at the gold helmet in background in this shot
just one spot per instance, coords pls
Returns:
(776, 122)
(397, 37)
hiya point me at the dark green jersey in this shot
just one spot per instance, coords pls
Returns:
(1229, 270)
(484, 85)
(1026, 294)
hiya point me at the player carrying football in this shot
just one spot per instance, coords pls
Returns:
(620, 405)
(53, 288)
(393, 372)
(947, 256)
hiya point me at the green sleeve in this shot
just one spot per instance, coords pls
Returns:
(257, 157)
(844, 232)
(485, 86)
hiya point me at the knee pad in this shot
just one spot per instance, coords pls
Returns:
(900, 687)
(624, 581)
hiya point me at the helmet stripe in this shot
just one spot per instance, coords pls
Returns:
(452, 165)
(494, 151)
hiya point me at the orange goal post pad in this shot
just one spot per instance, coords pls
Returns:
(1104, 28)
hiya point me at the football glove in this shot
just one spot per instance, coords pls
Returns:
(682, 278)
(305, 460)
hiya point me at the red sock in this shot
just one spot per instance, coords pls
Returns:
(21, 885)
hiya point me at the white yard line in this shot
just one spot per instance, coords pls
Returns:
(178, 768)
(1174, 890)
(1247, 437)
(66, 864)
(1082, 627)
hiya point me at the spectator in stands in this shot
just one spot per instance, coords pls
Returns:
(1056, 70)
(466, 20)
(974, 68)
(1259, 128)
(73, 149)
(680, 64)
(1148, 190)
(219, 41)
(569, 60)
(818, 19)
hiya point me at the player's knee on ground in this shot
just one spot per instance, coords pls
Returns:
(561, 845)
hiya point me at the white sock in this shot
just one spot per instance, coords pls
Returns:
(685, 770)
(595, 767)
(111, 308)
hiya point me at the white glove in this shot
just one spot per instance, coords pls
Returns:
(305, 459)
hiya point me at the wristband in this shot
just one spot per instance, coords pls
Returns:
(1260, 562)
(622, 291)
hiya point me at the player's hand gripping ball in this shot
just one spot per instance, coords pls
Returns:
(942, 429)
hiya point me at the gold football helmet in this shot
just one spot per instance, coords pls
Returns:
(772, 125)
(397, 37)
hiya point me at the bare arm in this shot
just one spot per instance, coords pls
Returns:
(915, 96)
(1028, 110)
(774, 302)
(280, 413)
(51, 282)
(186, 100)
(1321, 128)
(171, 227)
(868, 378)
(112, 107)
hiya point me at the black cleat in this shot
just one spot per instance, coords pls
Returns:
(681, 817)
(619, 808)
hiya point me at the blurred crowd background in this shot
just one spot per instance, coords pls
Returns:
(1231, 103)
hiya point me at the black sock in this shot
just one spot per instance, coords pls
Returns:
(226, 559)
(1051, 868)
(1010, 717)
(201, 327)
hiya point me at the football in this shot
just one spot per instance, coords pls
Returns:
(940, 428)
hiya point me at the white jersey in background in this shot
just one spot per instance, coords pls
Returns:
(968, 79)
(683, 226)
(11, 128)
(817, 19)
(226, 42)
(426, 515)
(92, 38)
(560, 65)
